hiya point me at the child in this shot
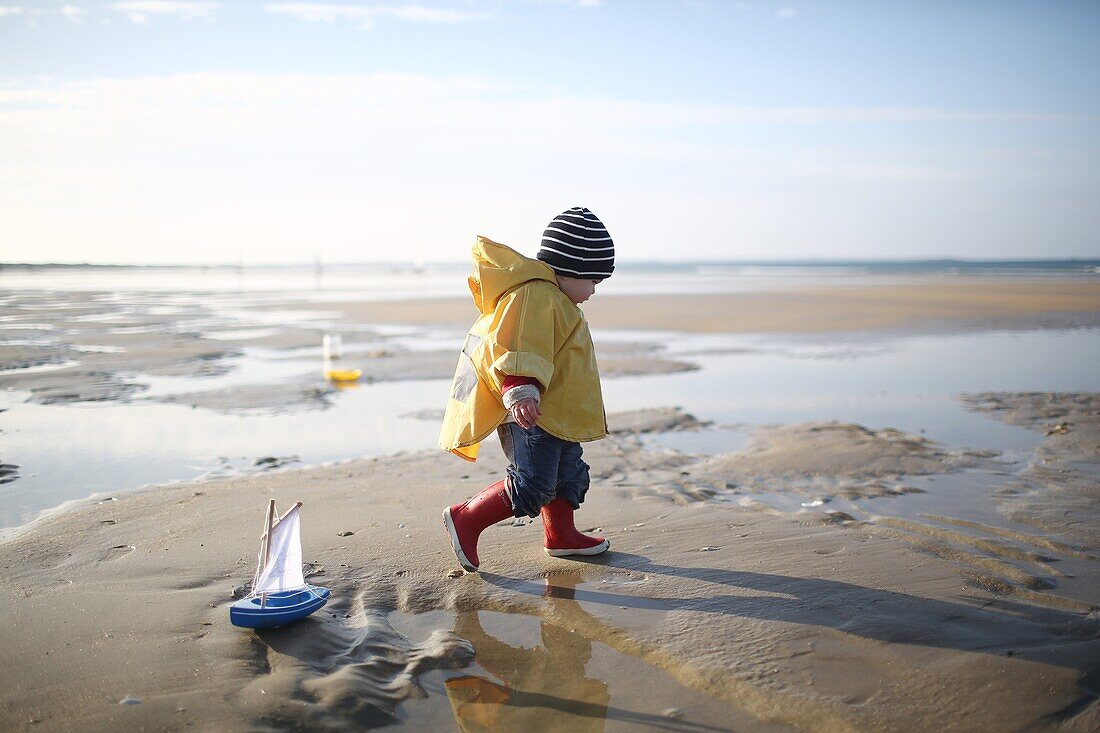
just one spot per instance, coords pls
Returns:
(528, 370)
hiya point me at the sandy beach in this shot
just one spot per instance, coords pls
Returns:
(822, 576)
(928, 304)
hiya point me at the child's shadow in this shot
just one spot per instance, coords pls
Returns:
(999, 628)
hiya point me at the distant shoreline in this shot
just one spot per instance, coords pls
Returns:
(1070, 265)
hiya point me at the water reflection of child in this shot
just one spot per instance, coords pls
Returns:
(544, 688)
(528, 370)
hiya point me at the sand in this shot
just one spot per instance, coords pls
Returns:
(926, 305)
(780, 621)
(714, 609)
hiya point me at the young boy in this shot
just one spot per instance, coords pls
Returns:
(528, 370)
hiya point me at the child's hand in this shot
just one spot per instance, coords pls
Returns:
(526, 413)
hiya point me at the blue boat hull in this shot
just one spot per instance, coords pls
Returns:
(280, 608)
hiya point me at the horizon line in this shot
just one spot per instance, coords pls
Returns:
(421, 264)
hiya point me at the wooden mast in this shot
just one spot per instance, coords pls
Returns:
(268, 523)
(297, 505)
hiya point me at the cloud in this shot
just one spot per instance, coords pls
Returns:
(139, 11)
(573, 3)
(786, 13)
(363, 14)
(393, 96)
(363, 165)
(72, 13)
(322, 12)
(366, 15)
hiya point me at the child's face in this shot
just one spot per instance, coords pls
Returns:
(577, 289)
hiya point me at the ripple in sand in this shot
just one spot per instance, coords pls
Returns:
(329, 674)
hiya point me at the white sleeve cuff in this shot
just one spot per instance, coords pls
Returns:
(519, 394)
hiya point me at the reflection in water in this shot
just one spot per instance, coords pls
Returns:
(525, 677)
(545, 688)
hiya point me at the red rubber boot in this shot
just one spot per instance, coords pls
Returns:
(465, 521)
(562, 537)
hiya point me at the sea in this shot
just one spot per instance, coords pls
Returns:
(399, 281)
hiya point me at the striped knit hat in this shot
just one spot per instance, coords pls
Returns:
(576, 244)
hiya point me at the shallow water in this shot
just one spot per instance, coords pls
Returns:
(910, 383)
(67, 452)
(541, 671)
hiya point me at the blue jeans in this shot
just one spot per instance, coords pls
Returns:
(542, 467)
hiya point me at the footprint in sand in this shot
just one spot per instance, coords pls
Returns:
(114, 553)
(194, 582)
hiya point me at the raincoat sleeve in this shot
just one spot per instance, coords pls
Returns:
(524, 337)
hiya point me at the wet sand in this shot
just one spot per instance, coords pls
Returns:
(928, 305)
(714, 609)
(109, 349)
(772, 620)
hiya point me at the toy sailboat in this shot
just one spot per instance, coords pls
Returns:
(280, 593)
(332, 348)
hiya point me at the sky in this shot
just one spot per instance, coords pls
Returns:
(159, 131)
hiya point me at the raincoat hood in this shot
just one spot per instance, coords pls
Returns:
(499, 269)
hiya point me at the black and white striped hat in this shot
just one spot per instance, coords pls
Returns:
(576, 244)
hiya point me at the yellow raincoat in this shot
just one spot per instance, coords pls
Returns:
(527, 328)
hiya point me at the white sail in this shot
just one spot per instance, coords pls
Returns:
(284, 560)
